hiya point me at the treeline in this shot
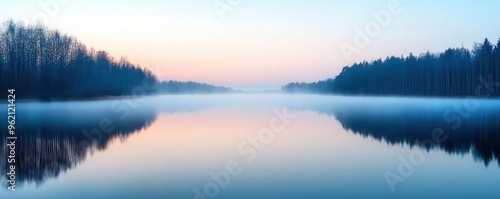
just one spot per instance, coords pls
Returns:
(456, 72)
(176, 87)
(42, 63)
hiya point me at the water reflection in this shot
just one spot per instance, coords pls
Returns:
(55, 137)
(51, 139)
(466, 125)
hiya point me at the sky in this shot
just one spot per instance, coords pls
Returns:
(255, 45)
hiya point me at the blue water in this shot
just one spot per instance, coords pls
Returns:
(256, 146)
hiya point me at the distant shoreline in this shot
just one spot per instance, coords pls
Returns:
(66, 99)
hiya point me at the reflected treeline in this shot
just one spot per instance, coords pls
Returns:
(467, 127)
(55, 137)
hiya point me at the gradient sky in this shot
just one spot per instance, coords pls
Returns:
(261, 44)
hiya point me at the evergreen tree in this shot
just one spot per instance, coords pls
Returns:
(455, 72)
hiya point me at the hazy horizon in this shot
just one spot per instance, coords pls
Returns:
(259, 45)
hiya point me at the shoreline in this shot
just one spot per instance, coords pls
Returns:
(100, 98)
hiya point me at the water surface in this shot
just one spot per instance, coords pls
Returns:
(315, 147)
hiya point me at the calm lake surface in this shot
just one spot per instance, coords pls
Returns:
(276, 146)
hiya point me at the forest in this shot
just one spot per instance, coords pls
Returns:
(456, 72)
(44, 64)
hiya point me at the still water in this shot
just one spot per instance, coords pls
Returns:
(256, 146)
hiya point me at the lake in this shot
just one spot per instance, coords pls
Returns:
(256, 146)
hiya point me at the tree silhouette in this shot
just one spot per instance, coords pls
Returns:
(456, 72)
(41, 63)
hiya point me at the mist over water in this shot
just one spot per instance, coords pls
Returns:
(166, 146)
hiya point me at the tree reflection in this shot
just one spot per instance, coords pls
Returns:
(55, 137)
(474, 130)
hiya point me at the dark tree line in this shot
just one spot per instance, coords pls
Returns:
(455, 72)
(42, 63)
